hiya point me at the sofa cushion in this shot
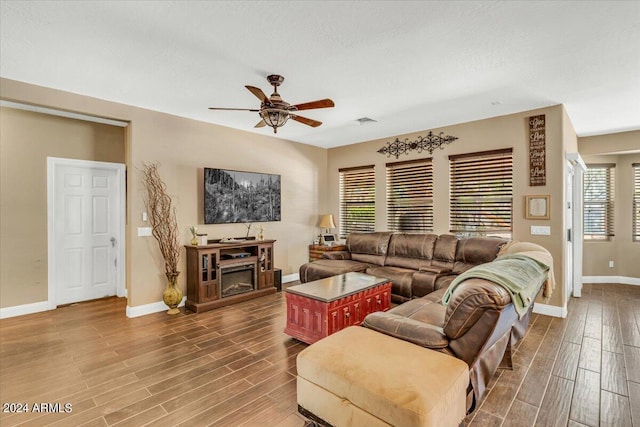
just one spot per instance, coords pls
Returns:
(410, 250)
(401, 279)
(418, 321)
(424, 310)
(370, 248)
(474, 251)
(444, 253)
(423, 284)
(329, 267)
(420, 333)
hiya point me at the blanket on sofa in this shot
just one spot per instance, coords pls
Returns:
(537, 252)
(521, 275)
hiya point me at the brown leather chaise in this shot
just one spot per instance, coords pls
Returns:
(476, 327)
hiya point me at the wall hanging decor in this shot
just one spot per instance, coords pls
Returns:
(427, 143)
(538, 207)
(537, 151)
(234, 196)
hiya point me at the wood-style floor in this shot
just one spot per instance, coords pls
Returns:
(234, 366)
(582, 370)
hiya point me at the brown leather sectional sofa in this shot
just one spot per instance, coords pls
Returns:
(479, 325)
(417, 264)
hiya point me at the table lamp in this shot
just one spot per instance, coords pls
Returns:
(326, 222)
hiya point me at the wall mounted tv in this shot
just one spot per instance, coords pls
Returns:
(235, 196)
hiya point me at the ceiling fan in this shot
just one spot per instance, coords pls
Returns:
(275, 112)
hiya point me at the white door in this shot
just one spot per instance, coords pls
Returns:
(87, 230)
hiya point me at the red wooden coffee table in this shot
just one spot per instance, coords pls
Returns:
(318, 309)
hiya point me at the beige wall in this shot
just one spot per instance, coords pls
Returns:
(489, 134)
(614, 143)
(183, 147)
(621, 249)
(26, 140)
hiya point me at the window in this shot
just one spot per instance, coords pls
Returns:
(598, 202)
(357, 200)
(481, 193)
(410, 196)
(636, 202)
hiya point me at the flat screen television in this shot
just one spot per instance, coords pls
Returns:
(232, 196)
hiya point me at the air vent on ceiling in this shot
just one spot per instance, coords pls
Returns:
(365, 120)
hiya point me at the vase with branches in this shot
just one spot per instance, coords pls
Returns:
(164, 226)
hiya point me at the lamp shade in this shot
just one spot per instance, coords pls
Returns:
(326, 221)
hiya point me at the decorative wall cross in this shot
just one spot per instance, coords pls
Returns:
(428, 143)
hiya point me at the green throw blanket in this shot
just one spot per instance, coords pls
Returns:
(519, 274)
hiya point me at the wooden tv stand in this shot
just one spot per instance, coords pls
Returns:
(248, 262)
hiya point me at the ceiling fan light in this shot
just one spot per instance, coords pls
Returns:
(274, 118)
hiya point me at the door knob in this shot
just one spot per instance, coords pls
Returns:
(113, 241)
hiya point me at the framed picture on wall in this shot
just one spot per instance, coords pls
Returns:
(538, 207)
(232, 196)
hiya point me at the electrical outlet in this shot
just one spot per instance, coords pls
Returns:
(610, 264)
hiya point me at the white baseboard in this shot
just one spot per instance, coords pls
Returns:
(550, 310)
(612, 279)
(154, 307)
(290, 278)
(21, 310)
(140, 310)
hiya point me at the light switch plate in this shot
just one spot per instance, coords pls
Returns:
(144, 231)
(540, 230)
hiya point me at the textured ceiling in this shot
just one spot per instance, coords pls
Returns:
(409, 65)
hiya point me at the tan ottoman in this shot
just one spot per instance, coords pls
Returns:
(359, 377)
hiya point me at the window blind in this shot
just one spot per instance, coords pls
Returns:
(481, 192)
(636, 202)
(410, 196)
(357, 200)
(599, 190)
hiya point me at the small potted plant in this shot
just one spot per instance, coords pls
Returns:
(194, 235)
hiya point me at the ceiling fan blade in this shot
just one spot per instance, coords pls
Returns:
(260, 124)
(258, 93)
(232, 109)
(306, 121)
(321, 103)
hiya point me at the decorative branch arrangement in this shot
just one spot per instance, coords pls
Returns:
(162, 217)
(428, 143)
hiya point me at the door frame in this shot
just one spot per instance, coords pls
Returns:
(570, 234)
(53, 163)
(579, 168)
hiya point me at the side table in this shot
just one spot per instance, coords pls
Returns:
(316, 251)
